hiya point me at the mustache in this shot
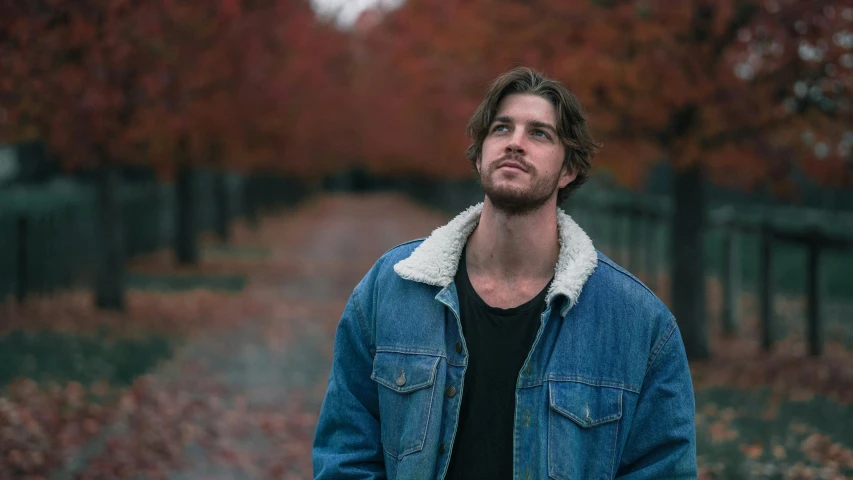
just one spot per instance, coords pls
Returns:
(511, 158)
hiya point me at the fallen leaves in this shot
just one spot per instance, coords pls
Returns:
(39, 425)
(821, 449)
(753, 451)
(233, 401)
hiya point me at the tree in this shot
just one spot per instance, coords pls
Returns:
(716, 88)
(74, 83)
(174, 85)
(711, 87)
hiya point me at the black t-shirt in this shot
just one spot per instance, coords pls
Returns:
(498, 342)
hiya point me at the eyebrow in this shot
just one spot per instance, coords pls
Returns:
(532, 123)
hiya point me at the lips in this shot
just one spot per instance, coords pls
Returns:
(512, 164)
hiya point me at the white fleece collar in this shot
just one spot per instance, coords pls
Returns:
(435, 260)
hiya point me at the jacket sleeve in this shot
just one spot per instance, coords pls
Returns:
(347, 441)
(662, 440)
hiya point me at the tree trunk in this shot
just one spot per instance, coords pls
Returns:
(22, 254)
(688, 269)
(251, 200)
(186, 226)
(222, 208)
(109, 279)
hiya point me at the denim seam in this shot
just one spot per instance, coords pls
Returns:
(615, 441)
(571, 416)
(410, 351)
(453, 415)
(409, 388)
(556, 475)
(420, 447)
(360, 320)
(551, 474)
(622, 271)
(416, 448)
(581, 423)
(405, 243)
(585, 380)
(661, 343)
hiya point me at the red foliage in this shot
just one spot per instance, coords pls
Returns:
(719, 83)
(744, 87)
(162, 82)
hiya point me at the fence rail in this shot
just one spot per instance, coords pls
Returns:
(48, 232)
(632, 228)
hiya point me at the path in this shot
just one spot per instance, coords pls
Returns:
(242, 402)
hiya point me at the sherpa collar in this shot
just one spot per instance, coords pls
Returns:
(435, 260)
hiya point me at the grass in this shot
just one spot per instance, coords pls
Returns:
(184, 282)
(753, 434)
(60, 357)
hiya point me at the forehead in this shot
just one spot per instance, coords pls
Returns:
(523, 107)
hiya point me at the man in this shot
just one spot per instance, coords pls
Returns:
(504, 346)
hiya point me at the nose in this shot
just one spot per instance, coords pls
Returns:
(516, 144)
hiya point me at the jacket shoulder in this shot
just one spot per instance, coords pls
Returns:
(618, 287)
(400, 252)
(383, 269)
(622, 283)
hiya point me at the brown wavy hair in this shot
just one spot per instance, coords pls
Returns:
(572, 128)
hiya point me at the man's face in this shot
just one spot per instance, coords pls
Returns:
(521, 167)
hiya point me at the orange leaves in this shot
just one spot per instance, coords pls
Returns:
(240, 399)
(753, 451)
(628, 160)
(132, 78)
(40, 425)
(273, 86)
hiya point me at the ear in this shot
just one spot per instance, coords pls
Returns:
(567, 176)
(478, 162)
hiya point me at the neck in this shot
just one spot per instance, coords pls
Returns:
(515, 247)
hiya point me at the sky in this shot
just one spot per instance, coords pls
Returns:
(348, 10)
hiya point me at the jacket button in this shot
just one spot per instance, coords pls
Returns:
(450, 392)
(441, 449)
(458, 347)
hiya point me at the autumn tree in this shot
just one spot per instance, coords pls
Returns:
(73, 82)
(237, 85)
(722, 90)
(716, 89)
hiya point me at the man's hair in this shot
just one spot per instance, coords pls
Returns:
(571, 125)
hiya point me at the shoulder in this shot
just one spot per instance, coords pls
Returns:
(621, 280)
(633, 304)
(401, 251)
(382, 271)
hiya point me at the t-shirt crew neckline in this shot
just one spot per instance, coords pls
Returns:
(481, 304)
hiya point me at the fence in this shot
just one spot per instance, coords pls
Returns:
(635, 229)
(48, 232)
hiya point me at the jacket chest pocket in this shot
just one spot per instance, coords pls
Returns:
(583, 424)
(406, 387)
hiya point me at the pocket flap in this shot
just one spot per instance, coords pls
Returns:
(404, 372)
(586, 405)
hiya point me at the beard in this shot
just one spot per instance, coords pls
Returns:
(517, 200)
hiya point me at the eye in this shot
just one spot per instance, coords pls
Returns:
(541, 134)
(497, 128)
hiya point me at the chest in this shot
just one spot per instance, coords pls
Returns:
(506, 294)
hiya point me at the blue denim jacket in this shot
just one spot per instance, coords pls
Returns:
(605, 391)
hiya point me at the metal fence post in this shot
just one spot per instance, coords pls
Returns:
(765, 290)
(814, 328)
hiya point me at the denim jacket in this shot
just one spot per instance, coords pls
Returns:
(605, 391)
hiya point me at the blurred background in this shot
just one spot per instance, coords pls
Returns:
(190, 190)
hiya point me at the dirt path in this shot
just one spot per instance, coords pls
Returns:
(240, 399)
(242, 402)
